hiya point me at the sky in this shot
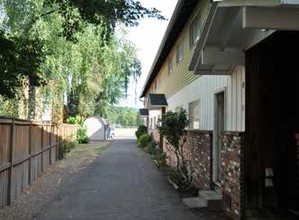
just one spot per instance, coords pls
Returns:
(147, 37)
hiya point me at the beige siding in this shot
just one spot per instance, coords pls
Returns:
(235, 100)
(181, 76)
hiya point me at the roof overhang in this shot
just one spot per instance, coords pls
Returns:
(233, 26)
(156, 101)
(143, 112)
(181, 14)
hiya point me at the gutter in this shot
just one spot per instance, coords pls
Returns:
(172, 21)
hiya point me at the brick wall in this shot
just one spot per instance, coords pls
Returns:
(155, 134)
(198, 155)
(231, 172)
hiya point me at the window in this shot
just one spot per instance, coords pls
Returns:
(194, 115)
(170, 66)
(194, 31)
(180, 52)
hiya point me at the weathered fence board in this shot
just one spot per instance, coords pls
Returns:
(26, 149)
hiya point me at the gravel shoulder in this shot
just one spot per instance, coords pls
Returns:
(44, 189)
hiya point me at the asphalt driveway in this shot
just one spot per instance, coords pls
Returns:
(121, 184)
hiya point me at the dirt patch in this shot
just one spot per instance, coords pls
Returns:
(47, 186)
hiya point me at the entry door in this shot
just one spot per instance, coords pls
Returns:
(217, 141)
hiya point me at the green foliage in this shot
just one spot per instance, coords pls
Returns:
(151, 148)
(173, 126)
(98, 12)
(75, 120)
(65, 147)
(185, 186)
(144, 140)
(142, 129)
(161, 159)
(122, 115)
(70, 47)
(20, 59)
(82, 137)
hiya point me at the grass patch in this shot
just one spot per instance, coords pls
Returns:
(83, 154)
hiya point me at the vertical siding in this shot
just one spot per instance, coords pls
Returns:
(235, 100)
(202, 89)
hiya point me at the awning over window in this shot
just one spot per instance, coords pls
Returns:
(157, 101)
(232, 29)
(143, 112)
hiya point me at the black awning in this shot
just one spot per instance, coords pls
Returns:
(143, 112)
(157, 100)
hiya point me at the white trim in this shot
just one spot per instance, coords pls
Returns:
(282, 18)
(227, 57)
(238, 3)
(215, 162)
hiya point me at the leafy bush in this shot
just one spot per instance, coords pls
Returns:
(144, 140)
(75, 120)
(151, 147)
(82, 137)
(65, 147)
(172, 127)
(140, 131)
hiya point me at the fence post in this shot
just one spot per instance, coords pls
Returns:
(11, 160)
(30, 152)
(57, 142)
(42, 148)
(50, 142)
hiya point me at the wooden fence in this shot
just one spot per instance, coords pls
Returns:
(26, 149)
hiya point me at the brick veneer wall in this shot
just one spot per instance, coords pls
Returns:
(198, 156)
(232, 173)
(155, 134)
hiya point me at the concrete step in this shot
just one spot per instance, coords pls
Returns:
(195, 202)
(213, 199)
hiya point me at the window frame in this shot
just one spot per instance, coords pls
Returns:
(193, 114)
(194, 31)
(180, 51)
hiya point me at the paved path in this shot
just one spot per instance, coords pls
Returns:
(122, 184)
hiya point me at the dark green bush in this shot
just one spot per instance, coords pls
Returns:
(144, 140)
(82, 137)
(151, 148)
(65, 147)
(140, 131)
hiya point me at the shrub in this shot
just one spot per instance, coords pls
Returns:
(140, 131)
(173, 128)
(161, 159)
(151, 147)
(75, 120)
(82, 137)
(65, 147)
(144, 140)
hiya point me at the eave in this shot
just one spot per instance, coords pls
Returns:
(233, 26)
(177, 22)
